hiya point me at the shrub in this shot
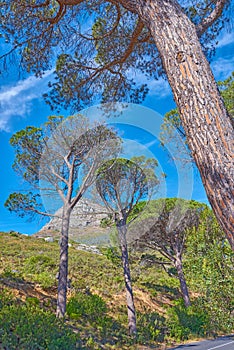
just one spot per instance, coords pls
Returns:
(45, 279)
(11, 274)
(32, 302)
(113, 255)
(90, 306)
(38, 264)
(107, 222)
(23, 327)
(219, 315)
(6, 298)
(184, 323)
(151, 327)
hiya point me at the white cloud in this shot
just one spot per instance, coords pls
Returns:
(160, 88)
(157, 87)
(222, 68)
(16, 101)
(226, 39)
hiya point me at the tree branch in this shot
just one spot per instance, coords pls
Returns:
(53, 172)
(118, 61)
(111, 31)
(71, 180)
(213, 16)
(130, 5)
(43, 213)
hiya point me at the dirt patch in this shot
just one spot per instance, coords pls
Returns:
(24, 289)
(143, 301)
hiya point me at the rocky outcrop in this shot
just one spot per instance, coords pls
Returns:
(89, 248)
(85, 214)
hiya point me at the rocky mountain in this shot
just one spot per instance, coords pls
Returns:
(84, 223)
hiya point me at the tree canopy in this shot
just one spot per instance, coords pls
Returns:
(123, 183)
(51, 158)
(101, 45)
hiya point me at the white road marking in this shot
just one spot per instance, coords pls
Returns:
(220, 346)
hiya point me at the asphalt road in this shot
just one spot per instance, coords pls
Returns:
(222, 343)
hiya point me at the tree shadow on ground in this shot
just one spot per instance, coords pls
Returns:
(170, 292)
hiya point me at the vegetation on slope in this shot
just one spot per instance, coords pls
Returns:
(96, 311)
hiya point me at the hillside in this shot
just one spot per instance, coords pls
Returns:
(28, 271)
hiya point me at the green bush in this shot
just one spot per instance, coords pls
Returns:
(32, 302)
(23, 327)
(184, 323)
(38, 264)
(6, 298)
(113, 255)
(41, 269)
(90, 306)
(107, 222)
(151, 327)
(45, 279)
(219, 315)
(12, 274)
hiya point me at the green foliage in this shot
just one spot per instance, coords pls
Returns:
(107, 222)
(91, 309)
(32, 302)
(208, 266)
(113, 254)
(12, 274)
(165, 223)
(28, 145)
(6, 298)
(39, 263)
(40, 155)
(186, 322)
(42, 270)
(137, 209)
(45, 279)
(100, 329)
(151, 327)
(89, 306)
(22, 204)
(110, 47)
(154, 207)
(219, 316)
(227, 91)
(28, 327)
(122, 183)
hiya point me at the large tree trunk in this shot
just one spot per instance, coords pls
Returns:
(208, 127)
(183, 284)
(122, 230)
(63, 264)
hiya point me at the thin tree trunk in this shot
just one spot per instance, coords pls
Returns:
(63, 264)
(209, 130)
(122, 230)
(183, 284)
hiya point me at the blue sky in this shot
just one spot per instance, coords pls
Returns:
(21, 104)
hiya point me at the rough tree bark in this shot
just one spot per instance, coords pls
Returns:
(183, 284)
(122, 230)
(63, 264)
(208, 127)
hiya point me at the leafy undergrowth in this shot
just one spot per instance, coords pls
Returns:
(96, 313)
